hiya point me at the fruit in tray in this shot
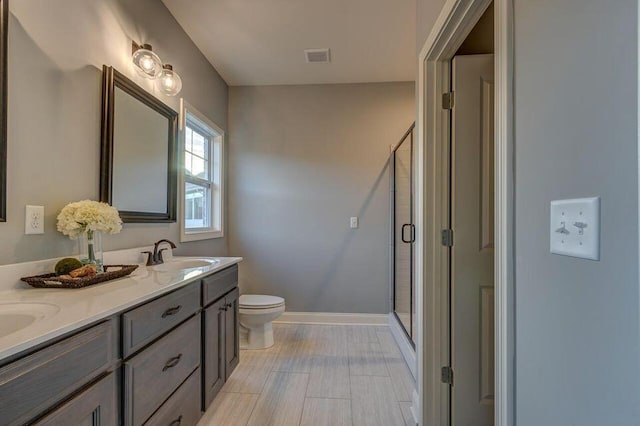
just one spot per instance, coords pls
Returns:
(86, 271)
(66, 265)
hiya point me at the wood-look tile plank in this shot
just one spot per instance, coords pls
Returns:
(229, 409)
(373, 402)
(281, 401)
(405, 408)
(367, 359)
(401, 378)
(403, 383)
(297, 353)
(388, 343)
(325, 363)
(326, 412)
(252, 372)
(329, 377)
(331, 340)
(361, 333)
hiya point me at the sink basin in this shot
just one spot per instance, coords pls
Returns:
(181, 264)
(16, 316)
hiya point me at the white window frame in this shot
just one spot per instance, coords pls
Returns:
(216, 173)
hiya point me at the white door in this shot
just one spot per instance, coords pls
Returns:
(472, 252)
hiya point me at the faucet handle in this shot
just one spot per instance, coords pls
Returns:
(149, 257)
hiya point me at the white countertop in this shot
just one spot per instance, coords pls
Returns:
(69, 309)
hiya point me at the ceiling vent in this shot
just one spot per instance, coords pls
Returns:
(317, 56)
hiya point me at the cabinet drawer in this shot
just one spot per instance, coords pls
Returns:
(183, 407)
(140, 326)
(95, 406)
(153, 374)
(34, 383)
(218, 284)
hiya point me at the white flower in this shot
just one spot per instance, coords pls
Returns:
(82, 216)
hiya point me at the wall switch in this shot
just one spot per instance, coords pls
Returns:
(575, 228)
(353, 222)
(34, 220)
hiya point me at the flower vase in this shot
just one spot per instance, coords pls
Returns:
(91, 248)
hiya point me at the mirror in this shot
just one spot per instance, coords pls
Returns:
(138, 169)
(4, 21)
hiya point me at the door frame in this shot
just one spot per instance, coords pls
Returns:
(455, 22)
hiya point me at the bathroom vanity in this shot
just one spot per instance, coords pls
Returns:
(154, 348)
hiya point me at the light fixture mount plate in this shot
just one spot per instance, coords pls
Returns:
(135, 47)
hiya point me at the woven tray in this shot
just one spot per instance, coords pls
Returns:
(54, 281)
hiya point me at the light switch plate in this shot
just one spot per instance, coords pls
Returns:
(34, 220)
(575, 228)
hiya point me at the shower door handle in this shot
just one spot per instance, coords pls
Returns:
(412, 237)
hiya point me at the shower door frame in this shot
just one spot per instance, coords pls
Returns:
(409, 135)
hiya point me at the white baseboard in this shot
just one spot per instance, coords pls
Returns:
(408, 353)
(331, 318)
(415, 406)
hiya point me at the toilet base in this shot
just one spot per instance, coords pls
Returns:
(260, 337)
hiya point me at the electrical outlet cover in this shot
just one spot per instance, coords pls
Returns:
(34, 220)
(575, 228)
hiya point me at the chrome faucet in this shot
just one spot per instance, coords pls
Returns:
(155, 258)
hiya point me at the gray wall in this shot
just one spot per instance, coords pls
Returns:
(302, 161)
(56, 52)
(576, 136)
(427, 12)
(577, 330)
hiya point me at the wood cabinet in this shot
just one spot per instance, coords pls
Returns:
(95, 406)
(30, 385)
(221, 345)
(144, 324)
(152, 375)
(232, 332)
(161, 362)
(216, 285)
(183, 407)
(214, 351)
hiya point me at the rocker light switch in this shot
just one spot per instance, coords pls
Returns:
(575, 228)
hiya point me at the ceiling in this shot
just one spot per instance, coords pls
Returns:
(261, 42)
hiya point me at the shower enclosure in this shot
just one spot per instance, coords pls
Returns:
(403, 233)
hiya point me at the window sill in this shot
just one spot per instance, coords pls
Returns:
(200, 235)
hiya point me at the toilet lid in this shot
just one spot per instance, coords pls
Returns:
(260, 301)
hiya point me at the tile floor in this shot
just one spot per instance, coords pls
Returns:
(318, 375)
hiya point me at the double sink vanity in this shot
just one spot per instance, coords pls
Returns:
(153, 348)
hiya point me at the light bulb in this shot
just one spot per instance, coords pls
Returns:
(148, 64)
(169, 82)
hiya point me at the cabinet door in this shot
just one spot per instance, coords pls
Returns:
(96, 406)
(37, 382)
(232, 342)
(214, 329)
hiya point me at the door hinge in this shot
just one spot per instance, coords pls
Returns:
(447, 237)
(448, 100)
(446, 375)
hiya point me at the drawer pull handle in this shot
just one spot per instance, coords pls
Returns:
(223, 308)
(176, 422)
(171, 311)
(172, 362)
(229, 305)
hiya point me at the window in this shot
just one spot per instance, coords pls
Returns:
(201, 183)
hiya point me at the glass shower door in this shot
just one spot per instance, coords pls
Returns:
(403, 234)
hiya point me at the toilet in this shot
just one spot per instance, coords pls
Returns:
(257, 312)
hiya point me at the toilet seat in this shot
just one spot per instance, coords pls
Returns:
(260, 301)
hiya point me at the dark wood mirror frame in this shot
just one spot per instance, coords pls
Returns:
(110, 80)
(4, 25)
